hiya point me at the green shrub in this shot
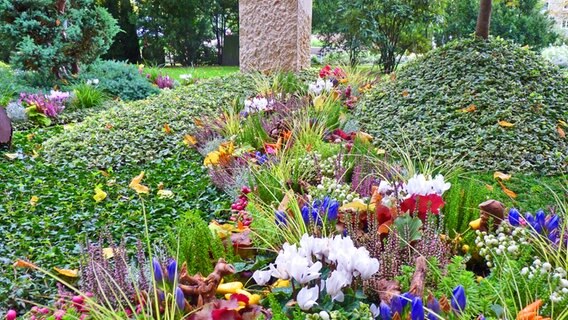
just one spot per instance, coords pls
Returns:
(192, 242)
(133, 133)
(87, 96)
(448, 105)
(119, 79)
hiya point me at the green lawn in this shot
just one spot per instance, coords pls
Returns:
(198, 72)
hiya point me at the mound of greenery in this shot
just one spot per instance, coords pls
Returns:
(136, 132)
(489, 105)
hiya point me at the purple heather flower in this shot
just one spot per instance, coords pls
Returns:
(514, 217)
(180, 299)
(458, 299)
(417, 309)
(158, 275)
(385, 311)
(164, 82)
(172, 271)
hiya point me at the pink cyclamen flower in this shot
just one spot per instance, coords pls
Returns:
(11, 315)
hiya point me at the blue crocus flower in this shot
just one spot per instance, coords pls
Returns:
(552, 222)
(417, 309)
(514, 217)
(281, 219)
(172, 272)
(158, 275)
(434, 305)
(385, 311)
(458, 299)
(180, 299)
(396, 305)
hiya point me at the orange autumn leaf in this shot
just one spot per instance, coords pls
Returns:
(108, 126)
(189, 140)
(71, 273)
(489, 187)
(530, 312)
(506, 124)
(136, 184)
(23, 264)
(508, 192)
(471, 108)
(167, 129)
(561, 132)
(198, 122)
(405, 93)
(501, 176)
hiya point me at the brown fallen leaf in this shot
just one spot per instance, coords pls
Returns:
(502, 176)
(561, 132)
(508, 192)
(471, 108)
(167, 129)
(405, 93)
(23, 264)
(71, 273)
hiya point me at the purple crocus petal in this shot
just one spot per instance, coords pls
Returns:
(158, 275)
(172, 272)
(514, 217)
(180, 299)
(396, 305)
(552, 222)
(553, 236)
(417, 309)
(458, 299)
(540, 217)
(385, 311)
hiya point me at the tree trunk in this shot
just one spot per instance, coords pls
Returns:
(483, 20)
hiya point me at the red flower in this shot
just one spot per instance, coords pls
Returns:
(325, 71)
(339, 73)
(430, 203)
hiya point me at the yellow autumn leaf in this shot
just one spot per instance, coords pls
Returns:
(34, 200)
(108, 253)
(562, 123)
(71, 273)
(23, 264)
(189, 140)
(136, 184)
(561, 132)
(11, 156)
(165, 194)
(489, 187)
(475, 224)
(167, 129)
(508, 192)
(405, 93)
(100, 195)
(505, 124)
(30, 136)
(227, 148)
(502, 176)
(212, 158)
(470, 108)
(365, 137)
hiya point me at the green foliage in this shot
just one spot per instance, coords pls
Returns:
(521, 21)
(53, 37)
(87, 96)
(427, 105)
(119, 79)
(135, 134)
(125, 45)
(462, 202)
(408, 229)
(192, 241)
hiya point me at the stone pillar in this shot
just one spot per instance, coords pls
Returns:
(275, 35)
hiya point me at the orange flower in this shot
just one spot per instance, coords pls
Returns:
(530, 312)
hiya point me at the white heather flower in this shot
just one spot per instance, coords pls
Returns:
(546, 266)
(307, 298)
(262, 277)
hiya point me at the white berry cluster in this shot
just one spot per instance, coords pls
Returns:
(507, 240)
(330, 187)
(539, 268)
(328, 166)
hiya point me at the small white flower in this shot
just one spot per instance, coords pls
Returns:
(564, 283)
(262, 277)
(524, 271)
(324, 315)
(546, 266)
(307, 298)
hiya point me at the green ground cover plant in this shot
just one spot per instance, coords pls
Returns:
(483, 105)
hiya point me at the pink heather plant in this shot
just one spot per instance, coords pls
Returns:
(50, 105)
(164, 82)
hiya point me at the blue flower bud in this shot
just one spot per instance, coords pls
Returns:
(458, 299)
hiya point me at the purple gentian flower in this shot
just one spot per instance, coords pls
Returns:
(396, 305)
(385, 311)
(406, 298)
(172, 272)
(540, 217)
(158, 275)
(552, 222)
(281, 219)
(180, 299)
(514, 217)
(435, 309)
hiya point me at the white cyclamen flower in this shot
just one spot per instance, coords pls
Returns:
(262, 277)
(299, 270)
(333, 285)
(320, 85)
(307, 298)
